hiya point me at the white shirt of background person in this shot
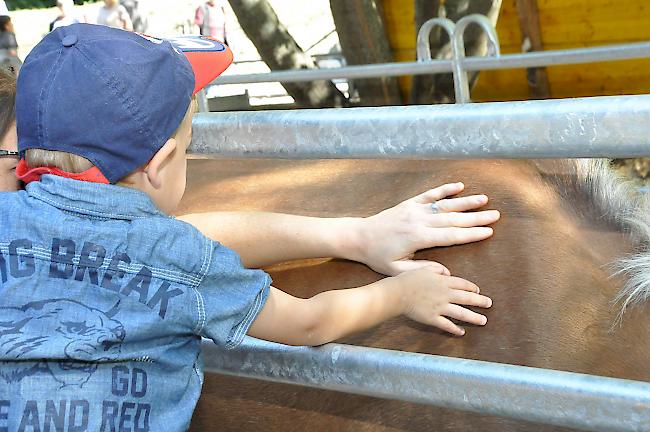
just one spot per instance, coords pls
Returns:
(67, 17)
(115, 15)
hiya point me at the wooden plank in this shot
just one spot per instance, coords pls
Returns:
(399, 18)
(595, 79)
(531, 39)
(571, 22)
(529, 24)
(500, 86)
(563, 24)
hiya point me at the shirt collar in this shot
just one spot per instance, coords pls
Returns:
(93, 199)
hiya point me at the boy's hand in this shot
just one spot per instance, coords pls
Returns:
(431, 298)
(389, 239)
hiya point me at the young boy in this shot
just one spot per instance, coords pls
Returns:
(105, 297)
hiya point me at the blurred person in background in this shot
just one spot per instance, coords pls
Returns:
(211, 19)
(113, 14)
(8, 45)
(138, 18)
(66, 15)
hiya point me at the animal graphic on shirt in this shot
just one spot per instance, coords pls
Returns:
(78, 335)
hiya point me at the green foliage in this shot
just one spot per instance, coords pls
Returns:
(13, 5)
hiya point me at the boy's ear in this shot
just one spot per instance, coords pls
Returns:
(154, 166)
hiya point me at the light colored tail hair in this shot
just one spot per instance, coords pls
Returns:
(619, 200)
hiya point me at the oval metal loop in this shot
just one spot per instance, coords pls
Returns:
(423, 47)
(461, 85)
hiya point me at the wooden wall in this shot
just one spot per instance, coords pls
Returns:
(564, 24)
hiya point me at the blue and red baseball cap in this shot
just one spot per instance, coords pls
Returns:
(111, 96)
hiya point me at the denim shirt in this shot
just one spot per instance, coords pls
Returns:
(103, 303)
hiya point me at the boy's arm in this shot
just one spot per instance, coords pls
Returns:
(422, 295)
(385, 242)
(262, 239)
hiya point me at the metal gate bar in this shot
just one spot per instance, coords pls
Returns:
(609, 126)
(553, 397)
(505, 61)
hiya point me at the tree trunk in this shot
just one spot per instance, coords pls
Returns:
(280, 52)
(439, 88)
(362, 34)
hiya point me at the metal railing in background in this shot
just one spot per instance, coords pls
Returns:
(459, 65)
(505, 61)
(559, 398)
(461, 83)
(607, 126)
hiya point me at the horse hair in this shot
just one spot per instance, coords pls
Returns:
(616, 201)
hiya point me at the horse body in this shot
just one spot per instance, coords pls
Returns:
(546, 268)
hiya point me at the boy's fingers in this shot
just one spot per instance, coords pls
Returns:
(463, 220)
(463, 314)
(439, 193)
(452, 236)
(462, 284)
(469, 299)
(462, 204)
(446, 325)
(407, 265)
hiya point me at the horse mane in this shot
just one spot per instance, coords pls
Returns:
(600, 194)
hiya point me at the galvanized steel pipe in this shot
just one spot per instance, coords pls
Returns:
(506, 61)
(461, 82)
(423, 46)
(611, 126)
(553, 397)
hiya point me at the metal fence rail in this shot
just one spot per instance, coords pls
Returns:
(611, 126)
(505, 61)
(458, 65)
(559, 398)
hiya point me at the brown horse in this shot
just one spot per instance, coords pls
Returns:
(547, 268)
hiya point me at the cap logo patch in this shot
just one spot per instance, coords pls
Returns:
(195, 43)
(150, 38)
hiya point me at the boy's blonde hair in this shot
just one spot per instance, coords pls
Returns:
(72, 163)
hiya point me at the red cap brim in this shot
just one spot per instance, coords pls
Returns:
(208, 57)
